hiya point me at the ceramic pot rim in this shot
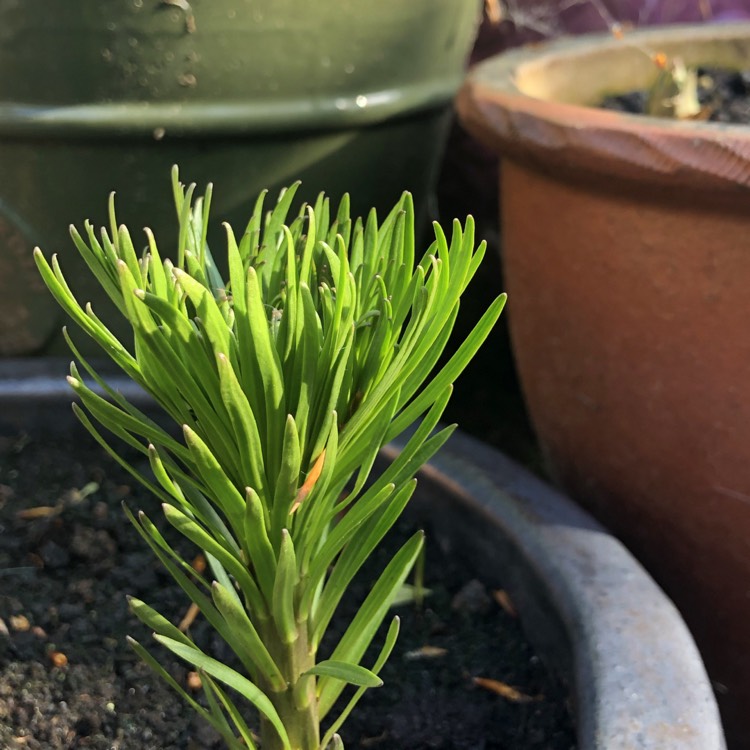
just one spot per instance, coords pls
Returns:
(585, 602)
(166, 119)
(588, 605)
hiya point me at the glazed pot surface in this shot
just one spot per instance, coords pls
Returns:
(248, 94)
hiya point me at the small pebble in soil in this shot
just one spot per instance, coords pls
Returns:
(472, 598)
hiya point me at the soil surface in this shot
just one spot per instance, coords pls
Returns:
(68, 680)
(724, 96)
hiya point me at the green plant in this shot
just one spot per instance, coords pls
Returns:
(674, 92)
(286, 379)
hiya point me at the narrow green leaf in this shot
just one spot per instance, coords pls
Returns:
(284, 590)
(222, 577)
(234, 713)
(111, 415)
(257, 544)
(313, 517)
(174, 318)
(452, 368)
(339, 536)
(364, 541)
(272, 231)
(183, 208)
(158, 623)
(52, 277)
(285, 336)
(305, 375)
(229, 677)
(210, 544)
(287, 480)
(157, 275)
(236, 270)
(207, 309)
(248, 249)
(397, 471)
(101, 266)
(112, 214)
(166, 481)
(150, 486)
(189, 497)
(247, 638)
(268, 365)
(128, 255)
(159, 671)
(244, 425)
(305, 272)
(367, 620)
(408, 463)
(116, 397)
(371, 441)
(385, 652)
(224, 493)
(353, 674)
(172, 562)
(205, 211)
(214, 703)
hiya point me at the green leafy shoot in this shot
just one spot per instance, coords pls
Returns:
(286, 372)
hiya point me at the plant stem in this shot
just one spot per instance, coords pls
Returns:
(297, 706)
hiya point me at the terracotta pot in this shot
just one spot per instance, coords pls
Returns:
(626, 253)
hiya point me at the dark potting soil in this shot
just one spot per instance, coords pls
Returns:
(68, 680)
(724, 96)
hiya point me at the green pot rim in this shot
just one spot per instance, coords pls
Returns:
(163, 119)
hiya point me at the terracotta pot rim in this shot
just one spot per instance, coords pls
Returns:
(560, 135)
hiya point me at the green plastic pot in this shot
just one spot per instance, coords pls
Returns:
(248, 94)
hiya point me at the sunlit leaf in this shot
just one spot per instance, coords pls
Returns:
(285, 381)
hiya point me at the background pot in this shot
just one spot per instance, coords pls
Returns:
(625, 246)
(469, 183)
(252, 95)
(591, 610)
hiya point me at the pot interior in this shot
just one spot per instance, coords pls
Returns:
(582, 71)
